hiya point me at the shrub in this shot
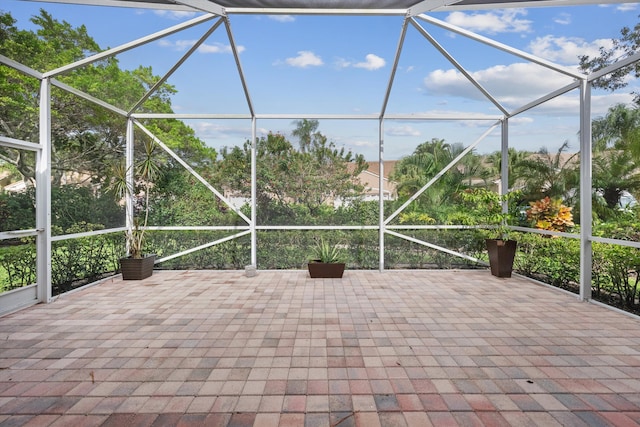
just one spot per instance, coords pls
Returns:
(553, 261)
(550, 214)
(19, 264)
(616, 275)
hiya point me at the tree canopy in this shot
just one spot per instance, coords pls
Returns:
(85, 136)
(309, 178)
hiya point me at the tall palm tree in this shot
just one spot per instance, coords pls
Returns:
(616, 145)
(305, 131)
(414, 171)
(546, 174)
(473, 168)
(516, 159)
(619, 128)
(614, 172)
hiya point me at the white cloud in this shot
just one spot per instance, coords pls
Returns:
(362, 143)
(517, 84)
(282, 18)
(214, 132)
(371, 62)
(520, 120)
(183, 45)
(342, 63)
(562, 19)
(305, 59)
(600, 104)
(500, 21)
(471, 116)
(514, 84)
(485, 124)
(174, 14)
(627, 7)
(402, 131)
(178, 45)
(218, 48)
(566, 50)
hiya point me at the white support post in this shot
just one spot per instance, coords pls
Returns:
(129, 164)
(586, 252)
(381, 222)
(504, 163)
(254, 192)
(43, 196)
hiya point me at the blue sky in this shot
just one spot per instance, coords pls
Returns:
(342, 65)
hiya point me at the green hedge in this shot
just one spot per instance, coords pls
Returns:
(552, 260)
(615, 276)
(17, 264)
(74, 262)
(555, 261)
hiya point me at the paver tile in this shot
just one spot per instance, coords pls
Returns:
(402, 348)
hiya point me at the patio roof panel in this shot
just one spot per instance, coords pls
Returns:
(315, 6)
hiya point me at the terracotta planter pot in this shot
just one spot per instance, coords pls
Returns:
(501, 256)
(137, 268)
(325, 270)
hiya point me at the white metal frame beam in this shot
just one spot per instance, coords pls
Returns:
(586, 207)
(177, 65)
(192, 171)
(394, 68)
(429, 5)
(43, 196)
(236, 57)
(313, 11)
(128, 46)
(88, 97)
(204, 246)
(19, 144)
(458, 66)
(501, 46)
(20, 67)
(204, 5)
(615, 66)
(432, 246)
(381, 222)
(130, 178)
(545, 98)
(254, 195)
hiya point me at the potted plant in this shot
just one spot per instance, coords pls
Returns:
(326, 262)
(136, 265)
(487, 209)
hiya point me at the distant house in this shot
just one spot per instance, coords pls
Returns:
(370, 178)
(10, 185)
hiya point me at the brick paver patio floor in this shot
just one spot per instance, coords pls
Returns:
(401, 348)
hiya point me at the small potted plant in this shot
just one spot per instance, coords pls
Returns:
(327, 261)
(136, 265)
(486, 207)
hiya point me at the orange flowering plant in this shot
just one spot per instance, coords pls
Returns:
(550, 214)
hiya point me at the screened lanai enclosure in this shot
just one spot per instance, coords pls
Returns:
(258, 201)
